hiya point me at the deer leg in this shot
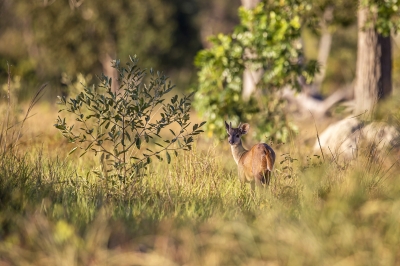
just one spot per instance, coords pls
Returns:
(241, 175)
(267, 177)
(259, 184)
(253, 186)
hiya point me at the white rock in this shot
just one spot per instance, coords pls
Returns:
(341, 138)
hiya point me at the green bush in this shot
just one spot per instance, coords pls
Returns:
(120, 125)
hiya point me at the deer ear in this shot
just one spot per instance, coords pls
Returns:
(244, 128)
(227, 127)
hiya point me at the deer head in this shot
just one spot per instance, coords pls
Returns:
(234, 134)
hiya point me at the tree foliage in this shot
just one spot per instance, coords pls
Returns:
(268, 38)
(43, 39)
(384, 15)
(342, 14)
(121, 125)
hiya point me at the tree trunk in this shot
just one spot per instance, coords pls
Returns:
(250, 77)
(323, 50)
(248, 4)
(250, 81)
(374, 66)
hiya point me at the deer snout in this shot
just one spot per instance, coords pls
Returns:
(230, 141)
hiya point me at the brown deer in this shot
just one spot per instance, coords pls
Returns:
(254, 165)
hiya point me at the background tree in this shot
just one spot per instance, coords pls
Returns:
(267, 38)
(324, 18)
(328, 17)
(43, 39)
(376, 21)
(251, 77)
(216, 17)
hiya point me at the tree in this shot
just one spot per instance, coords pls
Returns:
(216, 17)
(328, 16)
(376, 20)
(44, 39)
(322, 17)
(266, 39)
(251, 77)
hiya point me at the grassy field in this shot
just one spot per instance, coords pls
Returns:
(55, 211)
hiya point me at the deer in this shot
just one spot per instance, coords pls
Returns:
(254, 165)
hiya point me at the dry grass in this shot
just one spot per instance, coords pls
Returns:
(55, 211)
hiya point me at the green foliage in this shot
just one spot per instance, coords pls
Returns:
(120, 125)
(80, 35)
(383, 15)
(340, 14)
(66, 30)
(267, 38)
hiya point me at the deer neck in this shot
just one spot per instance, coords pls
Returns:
(238, 151)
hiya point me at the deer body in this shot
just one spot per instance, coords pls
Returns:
(254, 165)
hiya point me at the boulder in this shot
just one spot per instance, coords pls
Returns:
(341, 138)
(381, 134)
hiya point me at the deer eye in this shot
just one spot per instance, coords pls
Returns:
(237, 135)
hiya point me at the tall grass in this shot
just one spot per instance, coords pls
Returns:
(195, 212)
(55, 210)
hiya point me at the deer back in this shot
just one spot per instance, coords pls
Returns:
(258, 162)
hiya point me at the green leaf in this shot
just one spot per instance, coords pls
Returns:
(128, 136)
(138, 142)
(72, 151)
(168, 157)
(158, 144)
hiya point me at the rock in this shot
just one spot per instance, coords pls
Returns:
(343, 139)
(381, 134)
(340, 138)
